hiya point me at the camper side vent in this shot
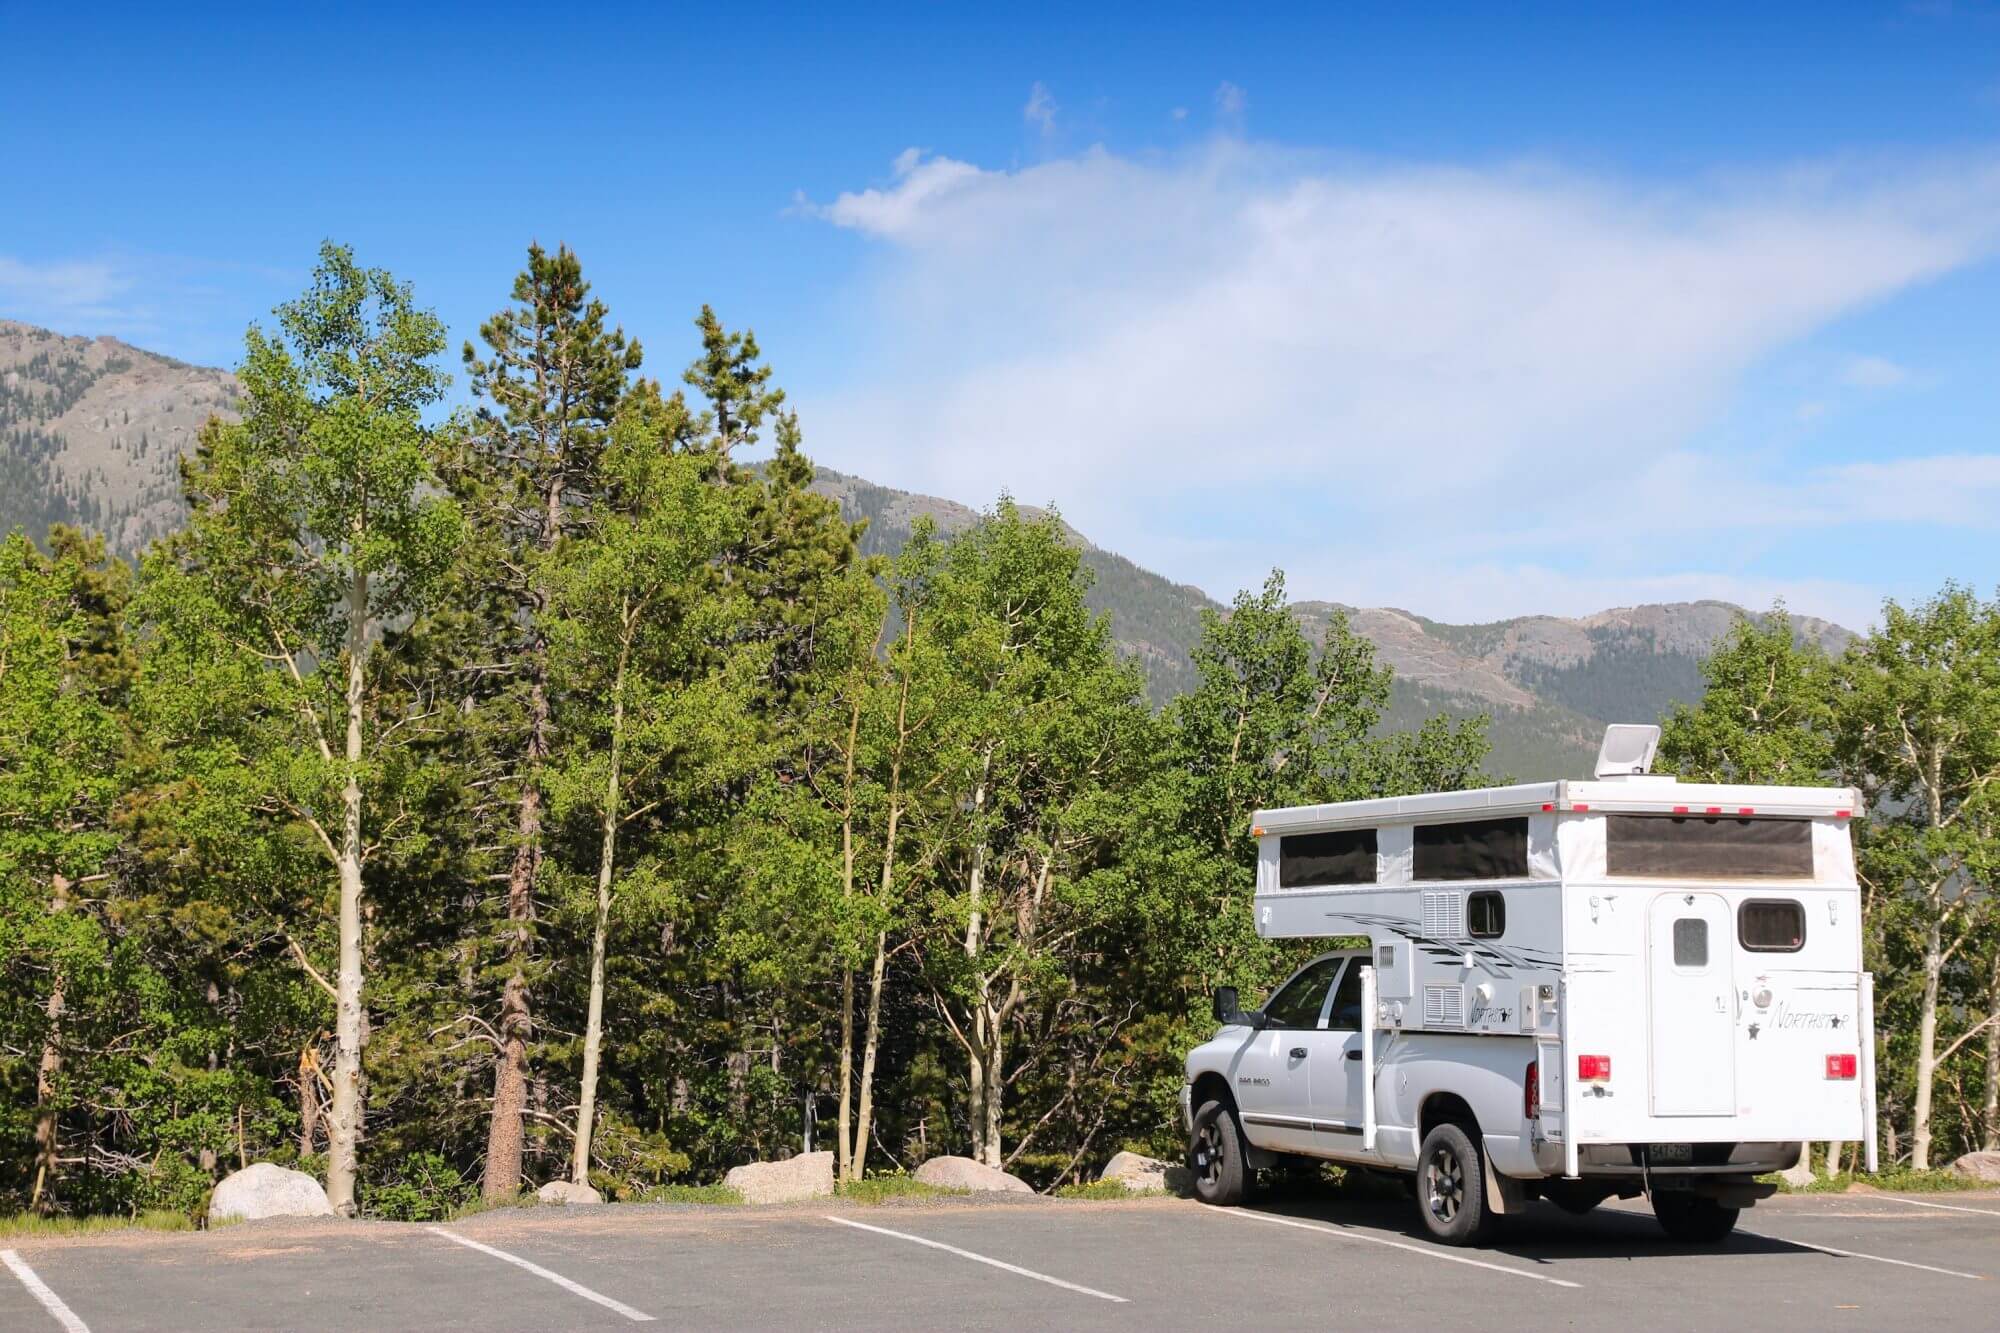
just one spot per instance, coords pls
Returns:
(1444, 915)
(1444, 1006)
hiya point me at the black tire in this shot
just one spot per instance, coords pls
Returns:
(1218, 1159)
(1691, 1218)
(1451, 1186)
(1573, 1197)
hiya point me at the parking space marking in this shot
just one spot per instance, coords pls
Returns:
(40, 1291)
(1856, 1254)
(978, 1258)
(1428, 1251)
(1948, 1207)
(574, 1288)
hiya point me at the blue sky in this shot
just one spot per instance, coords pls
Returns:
(1476, 312)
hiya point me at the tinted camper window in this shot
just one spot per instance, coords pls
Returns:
(1715, 847)
(1472, 849)
(1767, 925)
(1486, 916)
(1309, 860)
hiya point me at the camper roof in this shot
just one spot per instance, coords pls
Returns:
(1633, 795)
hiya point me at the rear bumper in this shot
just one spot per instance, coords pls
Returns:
(1638, 1161)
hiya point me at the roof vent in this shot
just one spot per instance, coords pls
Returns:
(1627, 751)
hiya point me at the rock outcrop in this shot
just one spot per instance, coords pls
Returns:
(1979, 1166)
(807, 1176)
(1146, 1175)
(566, 1192)
(265, 1190)
(962, 1173)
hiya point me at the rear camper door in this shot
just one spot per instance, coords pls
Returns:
(1692, 1005)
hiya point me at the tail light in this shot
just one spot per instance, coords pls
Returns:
(1593, 1069)
(1531, 1096)
(1840, 1066)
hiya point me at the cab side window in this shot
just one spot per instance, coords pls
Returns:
(1345, 1015)
(1297, 1003)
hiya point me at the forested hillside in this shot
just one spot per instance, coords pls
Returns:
(455, 804)
(93, 430)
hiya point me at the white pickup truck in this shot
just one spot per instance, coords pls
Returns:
(1568, 990)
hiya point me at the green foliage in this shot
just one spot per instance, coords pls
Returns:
(33, 1226)
(703, 1194)
(1097, 1189)
(423, 1187)
(888, 1187)
(1766, 713)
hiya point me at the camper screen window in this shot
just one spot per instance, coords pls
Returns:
(1472, 849)
(1691, 847)
(1311, 860)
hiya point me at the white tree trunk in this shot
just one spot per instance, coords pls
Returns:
(1920, 1125)
(871, 1044)
(1991, 1139)
(344, 1124)
(607, 857)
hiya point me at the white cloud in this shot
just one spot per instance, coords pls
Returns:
(1874, 372)
(1309, 360)
(61, 291)
(1041, 109)
(1230, 101)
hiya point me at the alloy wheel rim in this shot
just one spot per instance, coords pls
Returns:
(1444, 1184)
(1207, 1153)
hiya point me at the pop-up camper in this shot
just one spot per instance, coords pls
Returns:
(1570, 990)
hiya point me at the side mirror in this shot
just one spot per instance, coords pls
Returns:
(1225, 1005)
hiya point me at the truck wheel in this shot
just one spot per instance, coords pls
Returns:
(1687, 1216)
(1451, 1186)
(1216, 1156)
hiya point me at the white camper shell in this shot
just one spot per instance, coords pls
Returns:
(1566, 989)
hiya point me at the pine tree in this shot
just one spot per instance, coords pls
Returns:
(527, 469)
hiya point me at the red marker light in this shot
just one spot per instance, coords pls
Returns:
(1597, 1068)
(1843, 814)
(1548, 806)
(1747, 810)
(1714, 810)
(1680, 809)
(1531, 1097)
(1840, 1066)
(1579, 807)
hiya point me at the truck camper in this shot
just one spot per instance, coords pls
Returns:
(1564, 990)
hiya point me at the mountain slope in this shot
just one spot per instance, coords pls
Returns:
(90, 430)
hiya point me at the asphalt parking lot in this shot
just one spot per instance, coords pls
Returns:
(1812, 1261)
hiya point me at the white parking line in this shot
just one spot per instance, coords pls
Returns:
(574, 1288)
(1856, 1254)
(40, 1291)
(978, 1258)
(1948, 1207)
(1428, 1251)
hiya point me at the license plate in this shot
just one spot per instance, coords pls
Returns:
(1671, 1154)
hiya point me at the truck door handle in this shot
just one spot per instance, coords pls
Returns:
(1298, 1052)
(1354, 1055)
